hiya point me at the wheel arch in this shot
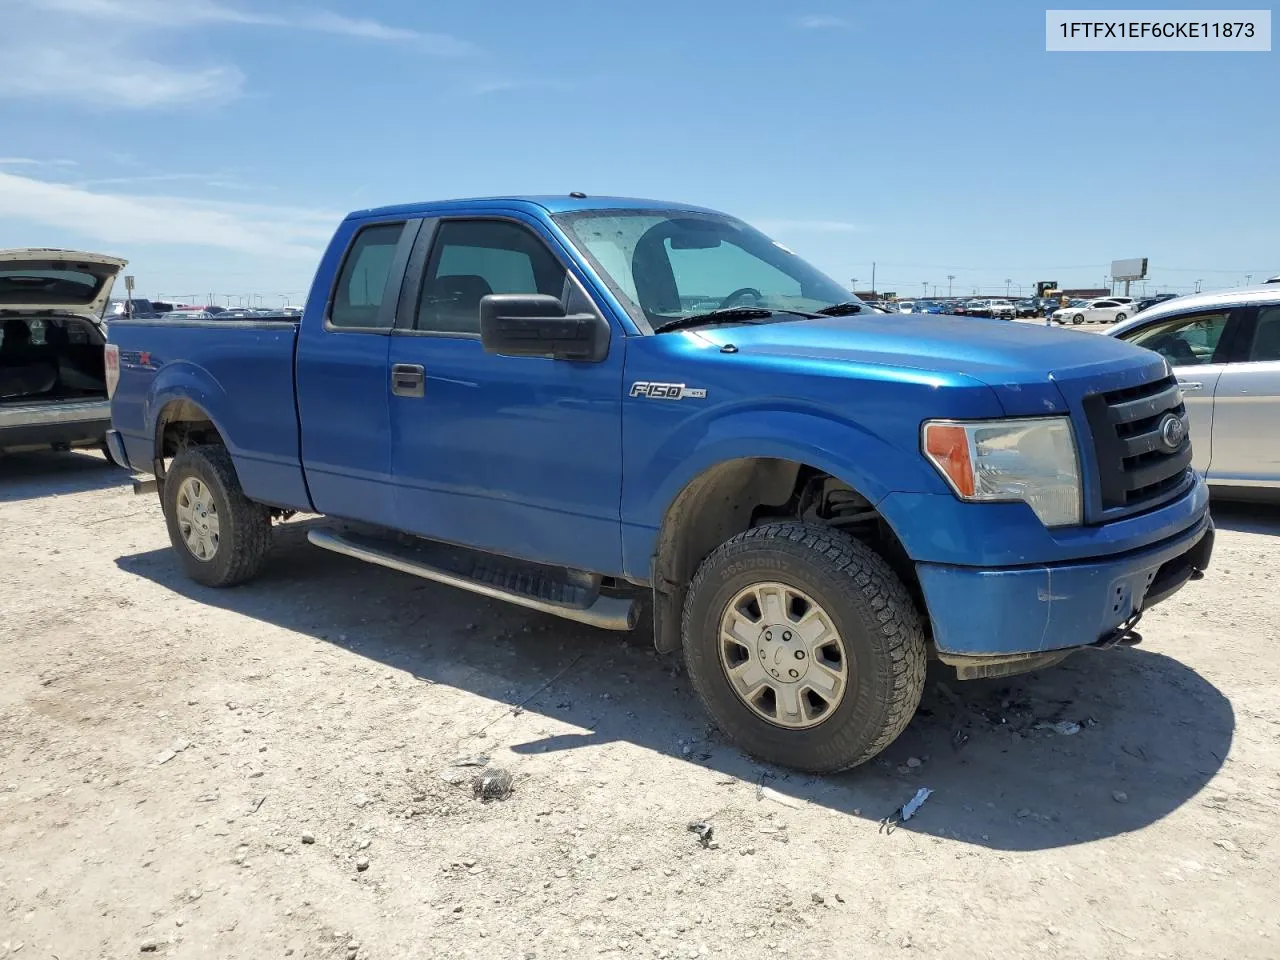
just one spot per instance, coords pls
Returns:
(733, 495)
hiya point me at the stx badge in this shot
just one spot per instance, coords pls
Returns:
(666, 391)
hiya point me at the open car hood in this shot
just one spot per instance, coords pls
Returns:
(38, 280)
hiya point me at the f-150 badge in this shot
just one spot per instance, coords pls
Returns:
(667, 391)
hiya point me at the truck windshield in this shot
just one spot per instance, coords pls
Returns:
(666, 264)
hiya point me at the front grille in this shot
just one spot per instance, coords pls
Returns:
(1136, 467)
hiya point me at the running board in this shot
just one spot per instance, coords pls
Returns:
(575, 597)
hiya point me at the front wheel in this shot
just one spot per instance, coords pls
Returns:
(1078, 319)
(220, 536)
(804, 646)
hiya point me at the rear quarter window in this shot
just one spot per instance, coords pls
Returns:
(362, 282)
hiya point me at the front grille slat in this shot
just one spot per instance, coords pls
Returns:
(1136, 468)
(1129, 410)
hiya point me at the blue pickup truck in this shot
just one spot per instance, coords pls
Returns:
(587, 406)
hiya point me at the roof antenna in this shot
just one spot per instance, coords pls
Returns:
(578, 195)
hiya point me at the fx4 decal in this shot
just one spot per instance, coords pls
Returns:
(666, 391)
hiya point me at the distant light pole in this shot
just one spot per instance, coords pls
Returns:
(1007, 284)
(1248, 278)
(924, 288)
(1198, 282)
(853, 284)
(950, 277)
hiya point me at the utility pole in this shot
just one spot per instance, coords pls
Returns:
(924, 288)
(873, 276)
(1007, 284)
(950, 277)
(853, 284)
(1248, 278)
(1198, 282)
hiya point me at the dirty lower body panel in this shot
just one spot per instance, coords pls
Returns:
(1045, 609)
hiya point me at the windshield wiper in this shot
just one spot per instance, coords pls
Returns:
(728, 315)
(842, 309)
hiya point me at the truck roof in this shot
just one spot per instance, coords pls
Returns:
(560, 203)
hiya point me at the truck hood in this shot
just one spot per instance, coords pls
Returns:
(59, 281)
(1032, 369)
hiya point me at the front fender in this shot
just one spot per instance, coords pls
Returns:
(869, 463)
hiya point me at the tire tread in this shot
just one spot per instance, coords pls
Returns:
(878, 587)
(250, 522)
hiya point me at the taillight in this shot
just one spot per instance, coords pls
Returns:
(112, 359)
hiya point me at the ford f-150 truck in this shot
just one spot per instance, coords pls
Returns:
(582, 405)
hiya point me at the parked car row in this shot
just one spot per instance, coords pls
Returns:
(143, 309)
(1101, 310)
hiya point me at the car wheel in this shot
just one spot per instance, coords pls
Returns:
(1119, 317)
(1078, 318)
(220, 536)
(804, 646)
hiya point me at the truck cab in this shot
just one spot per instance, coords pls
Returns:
(588, 406)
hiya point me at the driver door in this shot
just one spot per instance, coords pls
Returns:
(1195, 345)
(520, 456)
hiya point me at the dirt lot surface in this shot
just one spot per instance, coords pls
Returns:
(256, 773)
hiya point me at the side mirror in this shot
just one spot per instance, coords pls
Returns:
(535, 325)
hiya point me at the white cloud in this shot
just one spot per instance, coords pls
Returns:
(160, 13)
(102, 52)
(115, 220)
(174, 14)
(821, 21)
(31, 162)
(81, 75)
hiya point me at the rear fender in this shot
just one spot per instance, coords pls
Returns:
(181, 381)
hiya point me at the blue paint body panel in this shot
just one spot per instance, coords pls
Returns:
(1029, 609)
(240, 375)
(556, 462)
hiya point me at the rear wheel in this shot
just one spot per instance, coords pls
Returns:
(804, 646)
(220, 536)
(1119, 318)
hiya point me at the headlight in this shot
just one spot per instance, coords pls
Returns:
(1030, 460)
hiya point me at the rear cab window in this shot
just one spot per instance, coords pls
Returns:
(365, 281)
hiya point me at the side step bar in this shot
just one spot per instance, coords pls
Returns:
(607, 613)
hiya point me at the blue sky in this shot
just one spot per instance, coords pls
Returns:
(216, 142)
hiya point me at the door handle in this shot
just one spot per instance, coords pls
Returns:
(1189, 386)
(408, 379)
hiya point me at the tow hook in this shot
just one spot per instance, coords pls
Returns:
(1122, 636)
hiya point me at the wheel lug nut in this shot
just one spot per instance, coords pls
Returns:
(787, 635)
(794, 673)
(768, 635)
(799, 654)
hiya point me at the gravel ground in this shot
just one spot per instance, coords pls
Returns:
(256, 773)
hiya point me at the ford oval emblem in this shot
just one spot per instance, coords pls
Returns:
(1172, 432)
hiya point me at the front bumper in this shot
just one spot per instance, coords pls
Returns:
(1025, 610)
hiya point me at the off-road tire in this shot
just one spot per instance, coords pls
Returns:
(245, 526)
(875, 616)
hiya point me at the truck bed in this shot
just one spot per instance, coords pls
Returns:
(240, 372)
